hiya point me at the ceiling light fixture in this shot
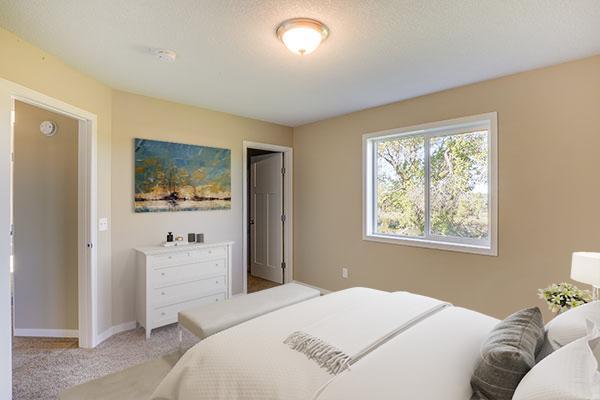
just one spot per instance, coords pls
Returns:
(302, 35)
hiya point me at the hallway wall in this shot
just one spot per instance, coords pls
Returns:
(45, 218)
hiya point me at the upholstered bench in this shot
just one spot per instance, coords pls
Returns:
(209, 319)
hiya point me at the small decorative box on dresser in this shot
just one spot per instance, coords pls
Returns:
(172, 279)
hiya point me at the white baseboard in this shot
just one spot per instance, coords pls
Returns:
(53, 333)
(74, 333)
(323, 291)
(113, 330)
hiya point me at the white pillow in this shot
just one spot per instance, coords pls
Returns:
(570, 326)
(570, 373)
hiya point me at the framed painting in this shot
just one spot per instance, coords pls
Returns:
(181, 177)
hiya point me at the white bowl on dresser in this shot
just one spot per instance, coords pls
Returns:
(173, 279)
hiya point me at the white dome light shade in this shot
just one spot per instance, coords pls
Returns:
(302, 40)
(302, 35)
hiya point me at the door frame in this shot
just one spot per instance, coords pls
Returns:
(87, 213)
(288, 192)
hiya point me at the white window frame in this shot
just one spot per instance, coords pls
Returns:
(435, 129)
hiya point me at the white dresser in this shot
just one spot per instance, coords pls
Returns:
(171, 279)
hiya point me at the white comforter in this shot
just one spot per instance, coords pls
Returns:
(434, 360)
(250, 361)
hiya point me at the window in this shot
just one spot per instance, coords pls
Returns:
(433, 185)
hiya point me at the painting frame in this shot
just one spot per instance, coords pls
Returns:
(173, 177)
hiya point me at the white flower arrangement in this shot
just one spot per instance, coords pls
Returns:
(564, 296)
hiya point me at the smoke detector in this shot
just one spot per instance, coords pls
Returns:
(48, 128)
(165, 55)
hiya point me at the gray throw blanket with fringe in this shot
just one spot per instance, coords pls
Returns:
(327, 356)
(337, 342)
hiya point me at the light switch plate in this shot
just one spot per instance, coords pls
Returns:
(103, 224)
(344, 272)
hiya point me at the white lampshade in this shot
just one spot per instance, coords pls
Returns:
(585, 268)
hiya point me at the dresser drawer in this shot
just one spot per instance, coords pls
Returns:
(168, 314)
(185, 273)
(185, 291)
(185, 257)
(173, 279)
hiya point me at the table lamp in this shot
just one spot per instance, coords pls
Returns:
(585, 268)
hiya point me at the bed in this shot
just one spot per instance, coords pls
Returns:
(433, 360)
(429, 353)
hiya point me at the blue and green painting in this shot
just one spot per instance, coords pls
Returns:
(181, 177)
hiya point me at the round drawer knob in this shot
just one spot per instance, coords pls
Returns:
(210, 252)
(170, 257)
(162, 313)
(162, 293)
(217, 282)
(162, 274)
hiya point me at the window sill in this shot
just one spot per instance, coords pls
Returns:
(430, 244)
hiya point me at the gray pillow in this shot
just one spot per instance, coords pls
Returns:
(508, 354)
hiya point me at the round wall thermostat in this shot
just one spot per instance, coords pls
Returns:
(48, 128)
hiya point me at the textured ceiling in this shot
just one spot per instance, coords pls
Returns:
(379, 51)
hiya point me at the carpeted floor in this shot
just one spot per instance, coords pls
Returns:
(44, 367)
(256, 284)
(134, 383)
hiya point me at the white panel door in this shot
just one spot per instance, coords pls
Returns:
(266, 234)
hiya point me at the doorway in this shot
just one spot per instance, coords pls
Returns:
(267, 220)
(10, 93)
(44, 224)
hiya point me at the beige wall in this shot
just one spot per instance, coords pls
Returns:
(144, 117)
(549, 136)
(549, 132)
(45, 218)
(138, 116)
(29, 66)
